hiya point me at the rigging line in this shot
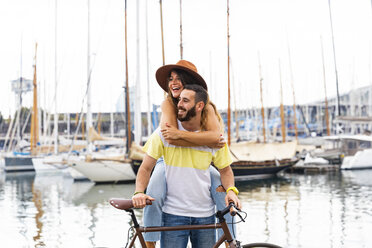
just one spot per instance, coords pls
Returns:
(304, 119)
(82, 109)
(63, 59)
(88, 86)
(102, 30)
(26, 122)
(334, 58)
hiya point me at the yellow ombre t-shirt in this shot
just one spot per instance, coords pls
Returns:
(187, 174)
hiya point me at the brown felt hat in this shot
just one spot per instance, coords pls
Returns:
(163, 72)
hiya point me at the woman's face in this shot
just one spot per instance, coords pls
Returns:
(175, 85)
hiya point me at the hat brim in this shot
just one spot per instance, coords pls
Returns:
(163, 72)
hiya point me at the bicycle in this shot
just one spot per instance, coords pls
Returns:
(127, 205)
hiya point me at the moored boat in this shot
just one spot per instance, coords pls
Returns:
(18, 162)
(261, 160)
(105, 170)
(356, 151)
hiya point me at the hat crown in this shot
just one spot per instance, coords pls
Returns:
(187, 64)
(163, 73)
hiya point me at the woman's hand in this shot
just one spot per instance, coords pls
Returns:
(221, 143)
(170, 132)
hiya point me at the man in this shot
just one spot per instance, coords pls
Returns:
(188, 199)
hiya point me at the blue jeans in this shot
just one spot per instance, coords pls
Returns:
(157, 188)
(203, 238)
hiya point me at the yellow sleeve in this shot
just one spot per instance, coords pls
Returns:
(222, 158)
(154, 146)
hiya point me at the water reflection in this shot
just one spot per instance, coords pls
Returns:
(309, 210)
(17, 202)
(37, 199)
(318, 210)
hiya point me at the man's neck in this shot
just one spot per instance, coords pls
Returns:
(192, 125)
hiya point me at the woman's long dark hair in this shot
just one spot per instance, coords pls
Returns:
(186, 78)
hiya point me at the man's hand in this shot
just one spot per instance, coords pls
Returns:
(170, 132)
(139, 200)
(232, 197)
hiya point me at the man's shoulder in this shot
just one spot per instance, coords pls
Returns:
(155, 136)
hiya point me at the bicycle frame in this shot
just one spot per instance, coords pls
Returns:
(127, 205)
(140, 229)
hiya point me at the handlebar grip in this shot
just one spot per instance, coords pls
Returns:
(124, 204)
(233, 210)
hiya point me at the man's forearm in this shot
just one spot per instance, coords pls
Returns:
(142, 180)
(227, 180)
(227, 177)
(144, 172)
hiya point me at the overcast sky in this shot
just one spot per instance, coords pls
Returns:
(258, 28)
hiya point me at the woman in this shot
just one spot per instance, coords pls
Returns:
(172, 79)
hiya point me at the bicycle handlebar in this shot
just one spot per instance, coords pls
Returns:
(124, 204)
(227, 209)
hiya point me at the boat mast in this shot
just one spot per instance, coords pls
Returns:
(293, 93)
(325, 90)
(19, 135)
(89, 122)
(228, 78)
(370, 77)
(55, 83)
(162, 33)
(281, 105)
(34, 118)
(127, 105)
(334, 59)
(235, 106)
(99, 120)
(149, 122)
(261, 97)
(137, 112)
(181, 45)
(162, 37)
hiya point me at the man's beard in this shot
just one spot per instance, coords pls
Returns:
(189, 114)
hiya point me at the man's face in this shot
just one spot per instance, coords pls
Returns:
(186, 105)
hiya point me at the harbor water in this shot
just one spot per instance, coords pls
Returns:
(292, 210)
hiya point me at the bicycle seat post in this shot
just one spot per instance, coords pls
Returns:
(133, 216)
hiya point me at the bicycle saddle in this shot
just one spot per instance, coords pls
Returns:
(124, 204)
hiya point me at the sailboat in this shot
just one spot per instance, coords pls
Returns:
(107, 167)
(253, 160)
(22, 161)
(257, 160)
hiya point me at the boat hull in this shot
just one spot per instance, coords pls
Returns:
(105, 171)
(45, 164)
(18, 163)
(247, 170)
(361, 160)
